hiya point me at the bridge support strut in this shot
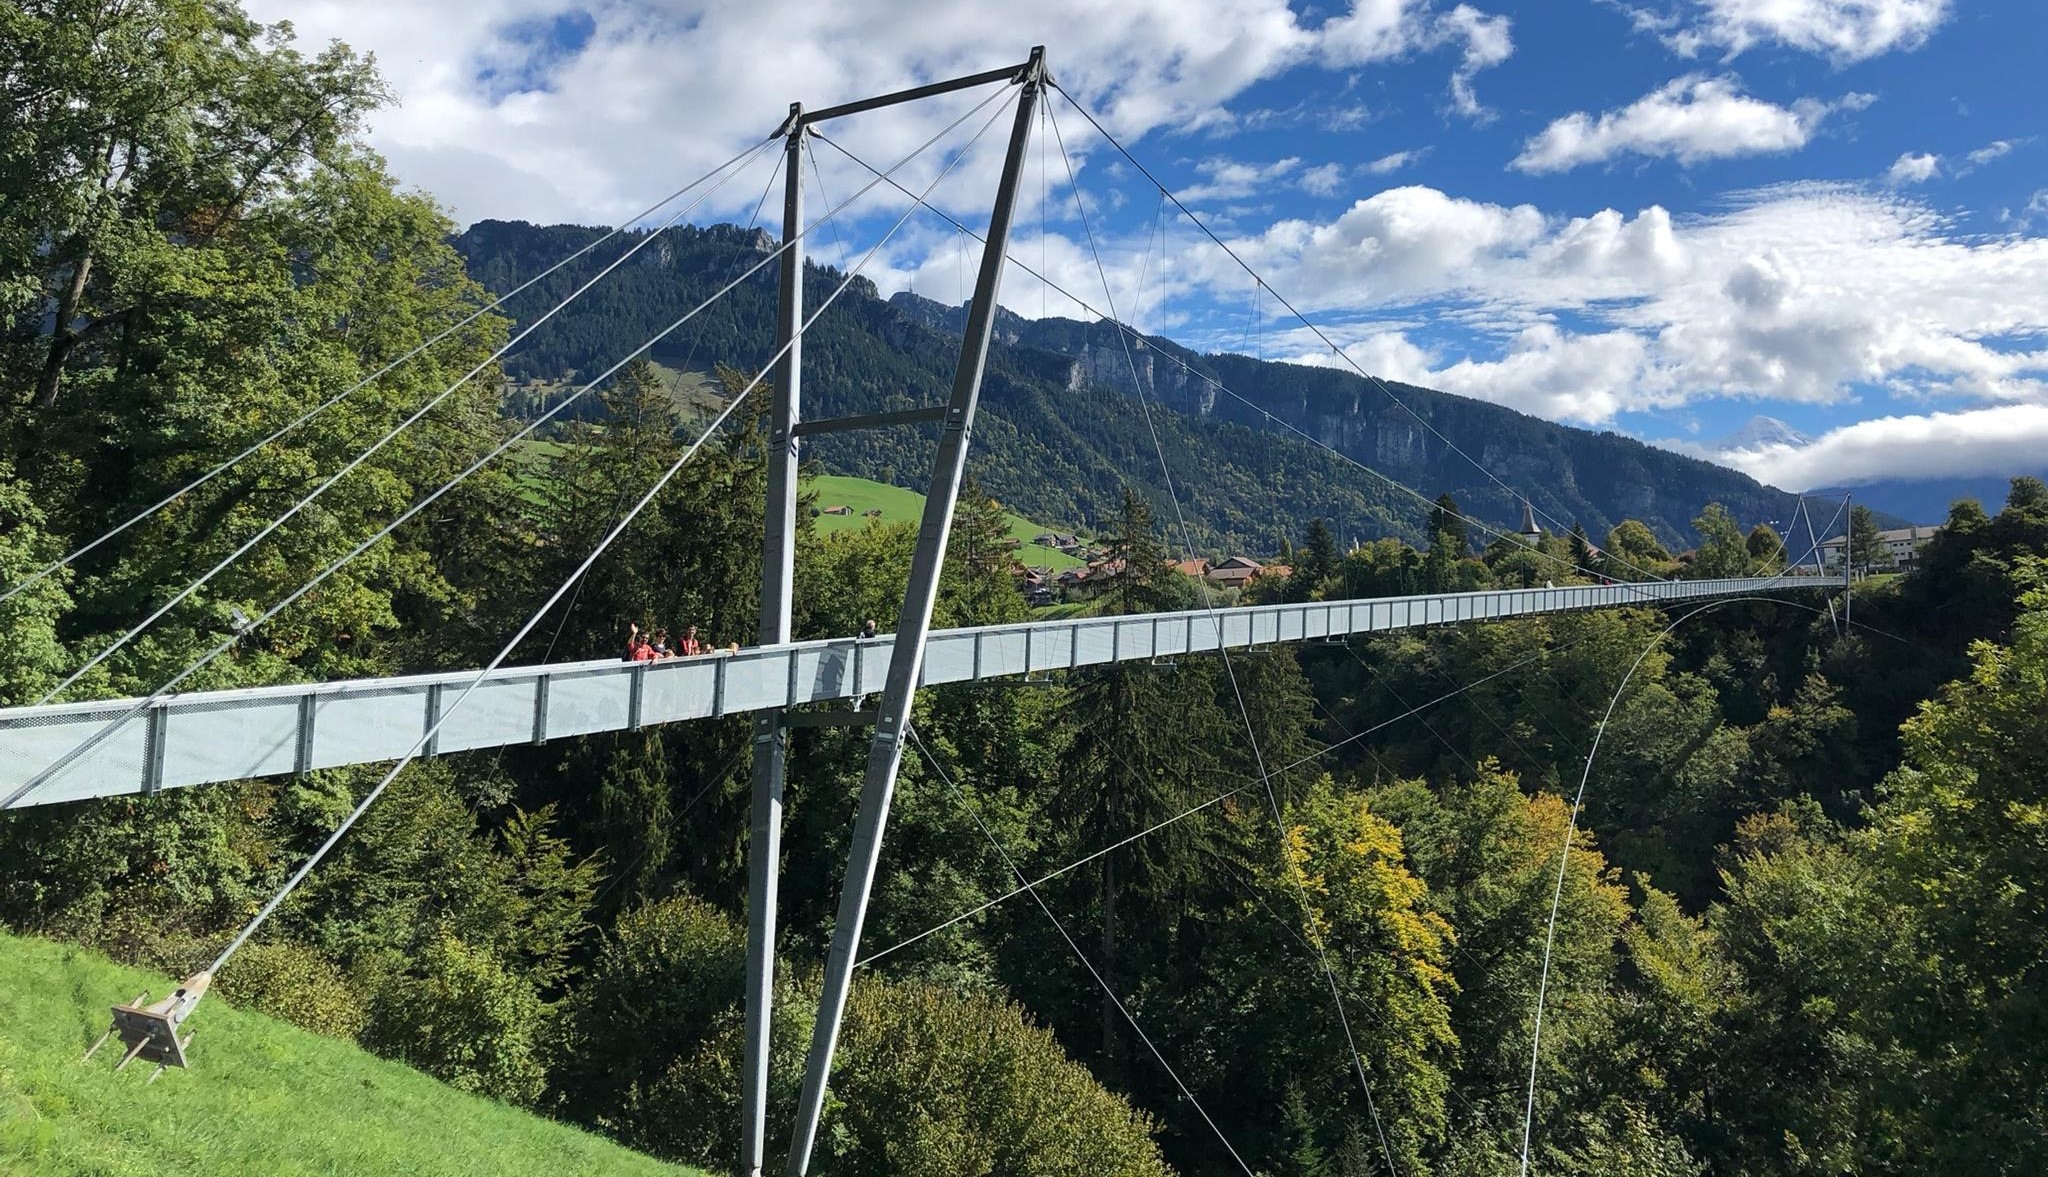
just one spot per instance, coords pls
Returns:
(913, 624)
(778, 567)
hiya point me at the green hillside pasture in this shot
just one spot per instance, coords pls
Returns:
(261, 1097)
(906, 506)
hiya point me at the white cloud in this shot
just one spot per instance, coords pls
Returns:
(1322, 180)
(497, 120)
(1232, 179)
(1690, 119)
(1913, 168)
(1937, 445)
(1805, 293)
(1395, 244)
(1843, 31)
(1387, 30)
(1487, 44)
(1554, 374)
(1392, 162)
(1991, 151)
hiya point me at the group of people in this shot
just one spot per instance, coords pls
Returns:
(643, 646)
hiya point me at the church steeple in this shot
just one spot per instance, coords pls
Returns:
(1530, 531)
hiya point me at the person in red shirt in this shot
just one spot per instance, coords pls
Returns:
(638, 648)
(690, 646)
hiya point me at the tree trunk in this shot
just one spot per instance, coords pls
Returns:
(64, 339)
(1110, 1017)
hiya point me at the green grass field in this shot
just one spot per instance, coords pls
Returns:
(262, 1096)
(905, 506)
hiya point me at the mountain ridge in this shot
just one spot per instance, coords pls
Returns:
(1060, 430)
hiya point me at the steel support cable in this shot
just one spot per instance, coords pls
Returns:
(1237, 692)
(306, 868)
(1564, 856)
(1509, 537)
(1571, 833)
(373, 377)
(974, 811)
(1318, 332)
(140, 705)
(1218, 799)
(389, 436)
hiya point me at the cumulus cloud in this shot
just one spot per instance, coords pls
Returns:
(502, 116)
(1937, 445)
(1690, 119)
(1913, 168)
(1805, 293)
(1323, 179)
(1843, 31)
(1387, 30)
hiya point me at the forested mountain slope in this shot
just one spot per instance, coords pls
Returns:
(1059, 433)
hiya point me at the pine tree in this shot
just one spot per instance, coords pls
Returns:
(1583, 559)
(1866, 541)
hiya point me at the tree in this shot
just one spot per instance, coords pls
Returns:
(125, 181)
(1766, 548)
(1314, 562)
(1142, 581)
(976, 587)
(1632, 549)
(1721, 552)
(1866, 543)
(1583, 560)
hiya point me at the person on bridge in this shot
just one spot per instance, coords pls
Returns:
(868, 630)
(661, 649)
(638, 648)
(691, 645)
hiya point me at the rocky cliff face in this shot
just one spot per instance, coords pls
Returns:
(1410, 434)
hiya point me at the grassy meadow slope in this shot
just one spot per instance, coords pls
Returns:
(898, 505)
(262, 1097)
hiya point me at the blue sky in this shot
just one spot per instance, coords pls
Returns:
(1654, 216)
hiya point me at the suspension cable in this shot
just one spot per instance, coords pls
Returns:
(1511, 538)
(1218, 799)
(1230, 672)
(389, 436)
(306, 868)
(974, 811)
(1305, 321)
(325, 405)
(137, 708)
(1564, 853)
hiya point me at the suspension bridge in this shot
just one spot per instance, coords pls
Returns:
(56, 751)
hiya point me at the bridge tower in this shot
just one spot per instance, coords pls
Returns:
(913, 623)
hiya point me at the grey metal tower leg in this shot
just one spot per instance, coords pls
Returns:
(778, 563)
(906, 664)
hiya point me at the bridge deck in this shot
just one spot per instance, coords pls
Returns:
(206, 736)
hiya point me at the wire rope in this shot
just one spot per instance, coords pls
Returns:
(1230, 673)
(391, 435)
(325, 405)
(114, 724)
(974, 812)
(313, 860)
(1305, 321)
(1476, 524)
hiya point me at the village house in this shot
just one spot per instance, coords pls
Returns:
(1235, 572)
(1903, 544)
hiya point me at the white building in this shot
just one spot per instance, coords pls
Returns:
(1902, 543)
